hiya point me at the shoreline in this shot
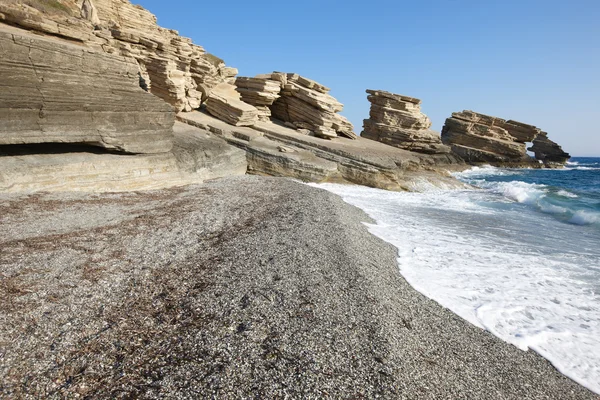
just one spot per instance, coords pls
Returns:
(240, 286)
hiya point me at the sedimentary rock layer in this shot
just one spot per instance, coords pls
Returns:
(397, 120)
(306, 104)
(483, 138)
(54, 91)
(196, 156)
(549, 152)
(260, 92)
(170, 66)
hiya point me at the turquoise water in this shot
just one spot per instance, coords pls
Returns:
(571, 194)
(519, 257)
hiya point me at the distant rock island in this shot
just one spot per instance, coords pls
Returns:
(97, 96)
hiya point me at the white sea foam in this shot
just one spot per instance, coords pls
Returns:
(528, 279)
(565, 193)
(584, 217)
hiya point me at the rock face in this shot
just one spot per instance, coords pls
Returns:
(261, 92)
(549, 152)
(307, 104)
(483, 138)
(170, 66)
(56, 92)
(397, 120)
(195, 157)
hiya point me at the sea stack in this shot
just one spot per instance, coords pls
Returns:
(486, 139)
(397, 120)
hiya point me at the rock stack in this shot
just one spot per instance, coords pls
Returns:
(483, 138)
(260, 92)
(306, 104)
(224, 103)
(397, 120)
(549, 152)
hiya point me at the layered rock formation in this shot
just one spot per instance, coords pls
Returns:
(169, 66)
(278, 150)
(307, 104)
(483, 138)
(548, 152)
(261, 92)
(397, 120)
(225, 104)
(57, 92)
(196, 156)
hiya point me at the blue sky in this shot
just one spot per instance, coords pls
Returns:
(533, 61)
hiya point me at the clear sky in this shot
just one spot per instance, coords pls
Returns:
(536, 61)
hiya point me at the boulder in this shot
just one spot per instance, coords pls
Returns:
(397, 120)
(54, 91)
(308, 105)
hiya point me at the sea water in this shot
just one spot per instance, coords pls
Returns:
(519, 257)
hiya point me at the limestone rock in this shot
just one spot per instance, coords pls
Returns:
(56, 92)
(89, 12)
(260, 92)
(307, 105)
(549, 152)
(196, 156)
(169, 66)
(483, 138)
(361, 161)
(397, 120)
(224, 103)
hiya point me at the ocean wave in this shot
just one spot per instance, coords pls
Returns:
(521, 192)
(485, 170)
(565, 193)
(585, 217)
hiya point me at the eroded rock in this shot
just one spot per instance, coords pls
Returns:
(397, 120)
(57, 92)
(308, 105)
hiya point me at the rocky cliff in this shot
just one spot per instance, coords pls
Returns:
(481, 138)
(58, 92)
(81, 75)
(397, 120)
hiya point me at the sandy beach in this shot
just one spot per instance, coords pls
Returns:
(244, 287)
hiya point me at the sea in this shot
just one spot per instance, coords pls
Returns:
(517, 255)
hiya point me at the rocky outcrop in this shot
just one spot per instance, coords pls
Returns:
(548, 152)
(397, 120)
(169, 66)
(57, 92)
(196, 156)
(274, 149)
(483, 138)
(260, 92)
(307, 104)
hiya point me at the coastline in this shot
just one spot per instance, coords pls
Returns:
(233, 288)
